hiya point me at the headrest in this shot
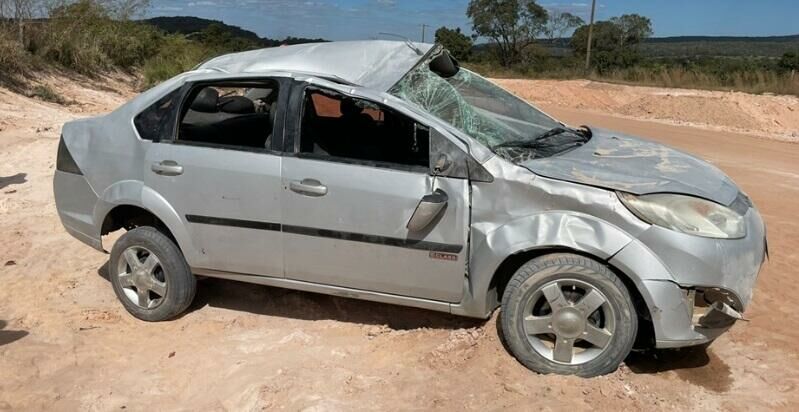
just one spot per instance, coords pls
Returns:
(237, 105)
(349, 108)
(206, 101)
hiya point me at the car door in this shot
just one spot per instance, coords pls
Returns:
(345, 218)
(227, 195)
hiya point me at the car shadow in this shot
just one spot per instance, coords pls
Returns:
(274, 301)
(9, 336)
(698, 365)
(16, 179)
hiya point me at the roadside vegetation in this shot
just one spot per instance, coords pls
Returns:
(515, 38)
(94, 36)
(526, 40)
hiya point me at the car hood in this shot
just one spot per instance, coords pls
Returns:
(625, 163)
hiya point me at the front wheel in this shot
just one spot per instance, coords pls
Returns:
(568, 314)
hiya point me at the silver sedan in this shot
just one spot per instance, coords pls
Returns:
(384, 171)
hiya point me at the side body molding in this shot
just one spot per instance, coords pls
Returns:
(135, 193)
(548, 230)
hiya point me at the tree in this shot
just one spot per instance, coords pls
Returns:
(18, 12)
(615, 41)
(511, 24)
(790, 61)
(220, 39)
(634, 28)
(606, 37)
(560, 23)
(458, 44)
(125, 9)
(622, 32)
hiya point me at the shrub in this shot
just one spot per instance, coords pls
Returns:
(175, 55)
(84, 37)
(46, 93)
(14, 60)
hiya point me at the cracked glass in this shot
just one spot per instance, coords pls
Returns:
(479, 108)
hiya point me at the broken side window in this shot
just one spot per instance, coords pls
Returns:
(338, 126)
(156, 122)
(230, 115)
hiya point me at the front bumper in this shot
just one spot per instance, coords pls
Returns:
(696, 288)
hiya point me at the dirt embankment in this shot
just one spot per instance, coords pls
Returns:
(773, 117)
(67, 344)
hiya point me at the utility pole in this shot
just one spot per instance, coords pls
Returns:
(424, 26)
(590, 34)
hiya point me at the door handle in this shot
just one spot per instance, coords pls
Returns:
(308, 187)
(167, 168)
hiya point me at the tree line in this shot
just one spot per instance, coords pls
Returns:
(518, 38)
(517, 30)
(521, 38)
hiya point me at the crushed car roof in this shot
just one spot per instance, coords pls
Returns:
(376, 64)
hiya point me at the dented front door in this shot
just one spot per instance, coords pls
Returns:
(345, 225)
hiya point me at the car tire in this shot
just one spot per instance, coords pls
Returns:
(568, 314)
(150, 276)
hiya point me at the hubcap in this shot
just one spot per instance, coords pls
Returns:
(568, 321)
(141, 277)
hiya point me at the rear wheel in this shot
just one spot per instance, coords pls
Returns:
(568, 314)
(150, 276)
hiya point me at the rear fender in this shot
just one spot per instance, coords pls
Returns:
(135, 193)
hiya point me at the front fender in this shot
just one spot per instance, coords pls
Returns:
(135, 193)
(550, 230)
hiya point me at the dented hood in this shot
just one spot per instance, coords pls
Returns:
(615, 161)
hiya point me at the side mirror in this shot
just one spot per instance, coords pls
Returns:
(442, 164)
(427, 210)
(445, 65)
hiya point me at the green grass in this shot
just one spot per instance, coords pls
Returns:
(754, 80)
(175, 55)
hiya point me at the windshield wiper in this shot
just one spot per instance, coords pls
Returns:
(534, 141)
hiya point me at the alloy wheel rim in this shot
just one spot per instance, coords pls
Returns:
(568, 321)
(141, 277)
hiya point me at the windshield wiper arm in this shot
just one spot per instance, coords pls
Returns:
(532, 142)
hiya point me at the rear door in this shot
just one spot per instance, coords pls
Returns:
(222, 175)
(359, 172)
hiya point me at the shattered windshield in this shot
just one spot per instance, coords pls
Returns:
(486, 112)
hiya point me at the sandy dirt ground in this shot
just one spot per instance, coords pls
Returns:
(66, 344)
(771, 117)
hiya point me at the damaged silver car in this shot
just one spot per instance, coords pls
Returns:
(383, 171)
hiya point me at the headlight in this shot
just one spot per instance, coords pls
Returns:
(686, 214)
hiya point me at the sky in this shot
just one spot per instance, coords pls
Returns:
(366, 19)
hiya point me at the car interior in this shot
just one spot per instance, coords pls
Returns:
(231, 116)
(344, 127)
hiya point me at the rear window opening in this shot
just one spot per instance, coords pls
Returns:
(157, 121)
(231, 115)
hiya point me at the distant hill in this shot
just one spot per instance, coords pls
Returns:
(715, 39)
(188, 25)
(702, 46)
(724, 46)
